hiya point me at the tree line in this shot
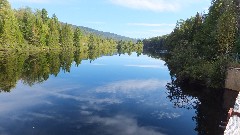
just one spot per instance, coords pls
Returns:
(200, 48)
(27, 29)
(33, 67)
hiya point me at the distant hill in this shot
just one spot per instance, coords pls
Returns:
(87, 30)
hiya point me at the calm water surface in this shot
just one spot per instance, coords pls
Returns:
(112, 95)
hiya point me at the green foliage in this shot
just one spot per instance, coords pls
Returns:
(44, 15)
(53, 33)
(66, 36)
(91, 43)
(36, 66)
(10, 34)
(199, 47)
(227, 27)
(34, 31)
(129, 46)
(77, 37)
(26, 21)
(24, 29)
(40, 30)
(32, 27)
(154, 46)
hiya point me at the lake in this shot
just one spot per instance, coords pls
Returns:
(52, 94)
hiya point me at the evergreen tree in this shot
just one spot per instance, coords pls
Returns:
(77, 37)
(10, 34)
(67, 34)
(53, 36)
(26, 20)
(40, 30)
(91, 42)
(44, 15)
(34, 29)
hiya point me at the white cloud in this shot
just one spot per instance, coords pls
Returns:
(122, 125)
(98, 64)
(18, 99)
(152, 5)
(157, 5)
(132, 85)
(36, 95)
(146, 66)
(40, 115)
(151, 24)
(157, 29)
(86, 112)
(90, 100)
(26, 2)
(31, 1)
(164, 115)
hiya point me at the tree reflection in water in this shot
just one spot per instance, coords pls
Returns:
(211, 105)
(32, 67)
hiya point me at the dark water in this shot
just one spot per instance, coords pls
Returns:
(48, 94)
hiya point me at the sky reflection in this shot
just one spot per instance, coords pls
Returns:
(121, 101)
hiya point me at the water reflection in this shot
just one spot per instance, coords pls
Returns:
(122, 125)
(128, 86)
(75, 93)
(210, 105)
(32, 68)
(105, 96)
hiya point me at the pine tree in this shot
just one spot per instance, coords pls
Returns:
(10, 34)
(77, 37)
(40, 30)
(53, 36)
(44, 15)
(66, 37)
(91, 43)
(26, 20)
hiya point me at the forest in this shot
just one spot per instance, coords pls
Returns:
(25, 29)
(36, 67)
(201, 48)
(34, 46)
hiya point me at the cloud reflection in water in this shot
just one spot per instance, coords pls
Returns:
(91, 106)
(122, 125)
(127, 86)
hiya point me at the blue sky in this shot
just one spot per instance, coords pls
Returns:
(132, 18)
